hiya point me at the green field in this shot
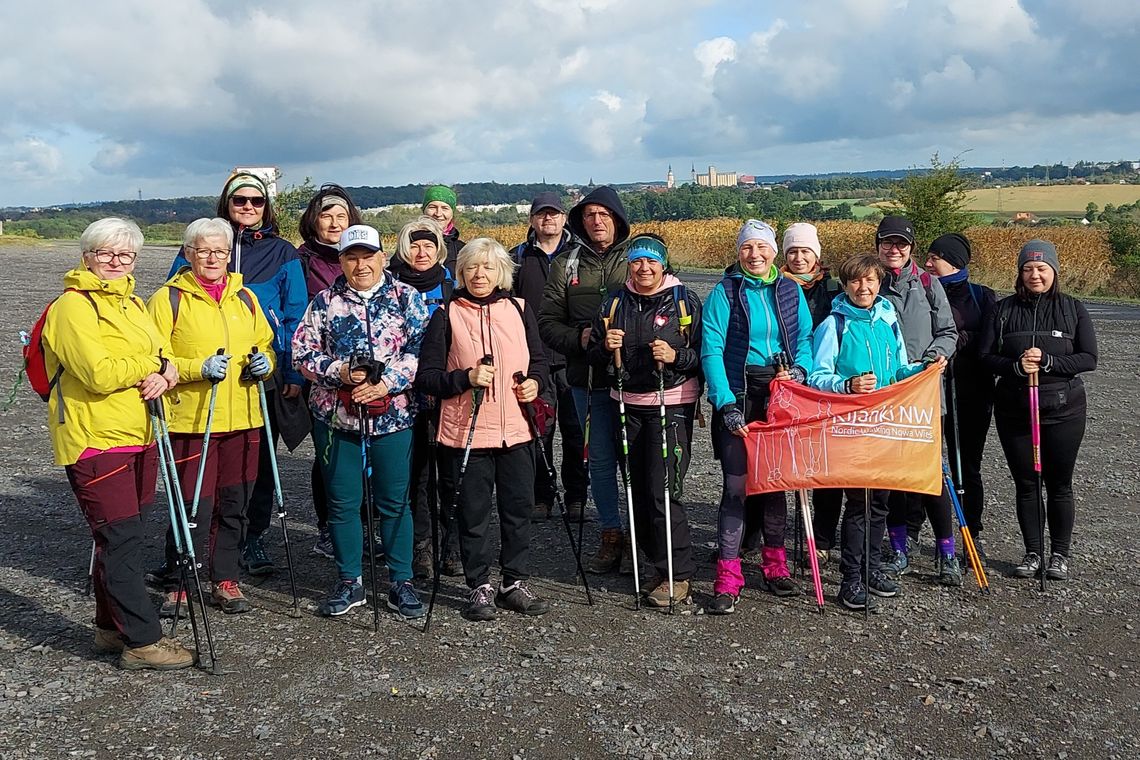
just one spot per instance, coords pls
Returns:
(1052, 200)
(860, 211)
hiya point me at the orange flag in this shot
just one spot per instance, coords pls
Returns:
(890, 438)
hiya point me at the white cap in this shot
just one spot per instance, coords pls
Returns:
(360, 236)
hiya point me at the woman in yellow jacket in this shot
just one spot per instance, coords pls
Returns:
(106, 355)
(209, 317)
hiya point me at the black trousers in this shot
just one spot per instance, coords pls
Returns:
(974, 414)
(827, 504)
(647, 472)
(910, 509)
(855, 530)
(1060, 442)
(509, 474)
(575, 479)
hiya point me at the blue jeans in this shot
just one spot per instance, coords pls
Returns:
(603, 452)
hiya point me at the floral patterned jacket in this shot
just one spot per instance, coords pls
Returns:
(340, 324)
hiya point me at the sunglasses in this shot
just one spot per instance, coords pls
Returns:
(257, 201)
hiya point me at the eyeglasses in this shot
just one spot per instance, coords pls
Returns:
(257, 201)
(547, 212)
(202, 254)
(106, 256)
(889, 244)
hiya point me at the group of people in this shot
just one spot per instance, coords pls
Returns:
(425, 379)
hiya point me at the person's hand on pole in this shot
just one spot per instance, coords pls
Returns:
(526, 391)
(215, 367)
(614, 339)
(1031, 361)
(259, 366)
(481, 375)
(864, 383)
(152, 386)
(350, 376)
(663, 352)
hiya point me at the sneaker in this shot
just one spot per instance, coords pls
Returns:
(949, 571)
(722, 604)
(324, 546)
(882, 585)
(161, 577)
(783, 586)
(659, 596)
(347, 593)
(108, 641)
(172, 600)
(1030, 566)
(608, 558)
(518, 598)
(451, 565)
(423, 560)
(254, 558)
(403, 601)
(854, 597)
(480, 605)
(228, 596)
(895, 563)
(541, 511)
(1058, 569)
(164, 654)
(575, 510)
(377, 546)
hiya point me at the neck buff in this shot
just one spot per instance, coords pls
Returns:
(808, 280)
(767, 279)
(960, 276)
(421, 281)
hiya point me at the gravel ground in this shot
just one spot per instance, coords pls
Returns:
(938, 673)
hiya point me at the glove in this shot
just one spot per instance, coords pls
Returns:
(259, 366)
(733, 419)
(214, 368)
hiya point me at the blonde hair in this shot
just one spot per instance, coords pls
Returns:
(493, 252)
(425, 224)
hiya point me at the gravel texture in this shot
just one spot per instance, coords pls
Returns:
(936, 674)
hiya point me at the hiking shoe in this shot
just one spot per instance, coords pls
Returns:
(783, 586)
(172, 600)
(254, 558)
(854, 597)
(228, 596)
(1058, 569)
(161, 577)
(423, 560)
(608, 558)
(894, 563)
(324, 545)
(625, 567)
(949, 571)
(403, 601)
(541, 511)
(659, 596)
(1030, 566)
(723, 603)
(821, 558)
(480, 605)
(882, 585)
(575, 510)
(518, 598)
(451, 565)
(108, 641)
(164, 654)
(347, 593)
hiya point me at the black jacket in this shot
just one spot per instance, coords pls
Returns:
(453, 243)
(532, 273)
(1060, 326)
(645, 319)
(971, 305)
(820, 296)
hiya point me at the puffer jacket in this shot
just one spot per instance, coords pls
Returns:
(871, 341)
(106, 342)
(270, 267)
(924, 314)
(458, 337)
(339, 324)
(203, 326)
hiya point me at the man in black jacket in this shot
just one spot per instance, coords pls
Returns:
(546, 239)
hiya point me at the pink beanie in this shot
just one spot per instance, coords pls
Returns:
(801, 235)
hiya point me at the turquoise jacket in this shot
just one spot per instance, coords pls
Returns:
(871, 341)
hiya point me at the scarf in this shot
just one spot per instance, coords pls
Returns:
(960, 276)
(806, 281)
(421, 281)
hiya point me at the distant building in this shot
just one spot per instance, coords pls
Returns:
(714, 178)
(747, 179)
(268, 174)
(670, 180)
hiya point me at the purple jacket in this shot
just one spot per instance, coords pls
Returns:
(321, 264)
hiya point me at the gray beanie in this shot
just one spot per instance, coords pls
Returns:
(1039, 250)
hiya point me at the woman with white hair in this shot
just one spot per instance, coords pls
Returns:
(105, 358)
(213, 324)
(483, 358)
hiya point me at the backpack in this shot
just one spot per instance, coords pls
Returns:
(176, 301)
(680, 303)
(34, 365)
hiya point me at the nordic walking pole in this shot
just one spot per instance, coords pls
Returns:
(809, 535)
(476, 402)
(278, 495)
(180, 526)
(90, 571)
(625, 471)
(967, 539)
(668, 484)
(1035, 437)
(366, 476)
(783, 363)
(866, 553)
(552, 473)
(205, 443)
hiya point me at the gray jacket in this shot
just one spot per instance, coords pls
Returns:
(924, 314)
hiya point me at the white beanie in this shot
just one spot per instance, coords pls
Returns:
(756, 230)
(801, 235)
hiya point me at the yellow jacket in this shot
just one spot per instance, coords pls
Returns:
(106, 342)
(203, 326)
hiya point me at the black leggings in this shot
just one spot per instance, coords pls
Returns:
(1060, 442)
(909, 508)
(974, 414)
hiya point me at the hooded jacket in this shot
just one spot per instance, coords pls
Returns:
(924, 314)
(871, 341)
(580, 278)
(532, 273)
(270, 267)
(203, 326)
(321, 265)
(339, 324)
(106, 342)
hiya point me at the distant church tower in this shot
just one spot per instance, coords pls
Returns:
(694, 172)
(670, 180)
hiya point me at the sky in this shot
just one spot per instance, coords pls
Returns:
(101, 100)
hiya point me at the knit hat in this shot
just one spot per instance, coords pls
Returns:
(953, 248)
(360, 236)
(801, 235)
(1039, 250)
(754, 229)
(238, 181)
(648, 247)
(440, 193)
(895, 226)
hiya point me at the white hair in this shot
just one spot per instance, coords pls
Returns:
(200, 229)
(111, 232)
(491, 251)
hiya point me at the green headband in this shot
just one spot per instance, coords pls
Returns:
(238, 181)
(440, 193)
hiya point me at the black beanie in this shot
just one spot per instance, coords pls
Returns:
(953, 248)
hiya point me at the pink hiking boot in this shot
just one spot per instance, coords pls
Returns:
(726, 588)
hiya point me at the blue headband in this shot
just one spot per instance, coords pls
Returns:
(648, 248)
